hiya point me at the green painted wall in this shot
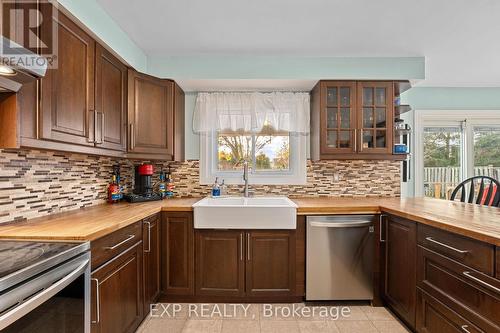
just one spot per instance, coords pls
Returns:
(453, 98)
(192, 141)
(301, 68)
(90, 13)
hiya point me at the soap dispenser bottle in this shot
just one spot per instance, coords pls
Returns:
(223, 189)
(216, 188)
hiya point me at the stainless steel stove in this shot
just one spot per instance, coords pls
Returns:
(44, 287)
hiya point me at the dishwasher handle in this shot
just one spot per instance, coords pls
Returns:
(341, 224)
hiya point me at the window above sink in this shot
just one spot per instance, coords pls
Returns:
(267, 130)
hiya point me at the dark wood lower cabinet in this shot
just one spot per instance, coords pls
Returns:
(498, 263)
(252, 264)
(177, 254)
(151, 246)
(399, 238)
(437, 281)
(117, 293)
(220, 265)
(270, 265)
(435, 317)
(471, 294)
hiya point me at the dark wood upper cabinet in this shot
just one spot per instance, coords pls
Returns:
(375, 117)
(353, 120)
(117, 293)
(270, 266)
(399, 276)
(67, 93)
(152, 114)
(111, 101)
(337, 117)
(220, 263)
(87, 104)
(177, 254)
(151, 249)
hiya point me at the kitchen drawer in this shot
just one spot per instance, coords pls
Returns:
(435, 317)
(152, 218)
(473, 295)
(107, 247)
(472, 253)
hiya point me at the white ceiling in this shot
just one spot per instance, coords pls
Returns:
(459, 38)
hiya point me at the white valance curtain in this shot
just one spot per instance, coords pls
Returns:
(252, 112)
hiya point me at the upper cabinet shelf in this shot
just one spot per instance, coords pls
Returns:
(355, 119)
(400, 87)
(400, 109)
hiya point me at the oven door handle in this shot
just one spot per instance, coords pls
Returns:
(40, 290)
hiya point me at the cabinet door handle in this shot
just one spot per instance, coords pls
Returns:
(120, 243)
(97, 302)
(465, 328)
(248, 246)
(132, 137)
(92, 140)
(481, 282)
(361, 140)
(101, 130)
(149, 236)
(380, 221)
(432, 240)
(241, 246)
(355, 140)
(102, 127)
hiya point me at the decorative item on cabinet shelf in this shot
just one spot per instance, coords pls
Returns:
(402, 139)
(400, 148)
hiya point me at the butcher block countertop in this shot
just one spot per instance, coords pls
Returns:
(474, 221)
(478, 222)
(90, 223)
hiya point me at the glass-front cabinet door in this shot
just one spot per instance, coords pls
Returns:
(375, 121)
(338, 117)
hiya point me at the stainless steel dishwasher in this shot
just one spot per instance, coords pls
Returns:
(339, 257)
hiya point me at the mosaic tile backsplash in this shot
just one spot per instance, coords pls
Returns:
(37, 183)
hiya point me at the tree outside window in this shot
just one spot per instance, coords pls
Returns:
(265, 151)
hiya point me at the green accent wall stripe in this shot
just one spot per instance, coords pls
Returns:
(90, 13)
(441, 98)
(287, 67)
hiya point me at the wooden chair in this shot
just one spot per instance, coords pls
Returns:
(488, 193)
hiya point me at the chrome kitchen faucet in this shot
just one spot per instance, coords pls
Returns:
(246, 194)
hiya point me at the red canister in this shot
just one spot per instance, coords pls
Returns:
(145, 170)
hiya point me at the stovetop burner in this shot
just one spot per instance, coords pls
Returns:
(27, 258)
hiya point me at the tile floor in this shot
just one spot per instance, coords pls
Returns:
(275, 318)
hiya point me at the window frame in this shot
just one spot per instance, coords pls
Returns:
(295, 175)
(444, 118)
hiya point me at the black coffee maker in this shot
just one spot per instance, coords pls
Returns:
(143, 185)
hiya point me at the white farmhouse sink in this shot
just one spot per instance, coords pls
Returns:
(245, 213)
